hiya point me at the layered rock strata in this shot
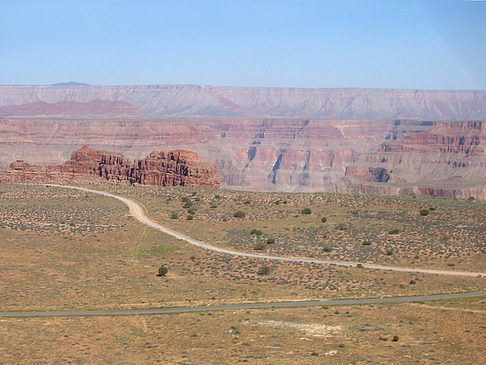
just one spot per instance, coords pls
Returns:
(373, 156)
(163, 168)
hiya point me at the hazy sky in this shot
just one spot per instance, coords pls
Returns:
(429, 44)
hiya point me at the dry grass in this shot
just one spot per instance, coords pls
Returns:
(65, 249)
(334, 335)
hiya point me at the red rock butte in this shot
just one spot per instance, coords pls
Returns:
(162, 168)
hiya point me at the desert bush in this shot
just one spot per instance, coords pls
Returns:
(270, 241)
(260, 246)
(190, 217)
(306, 211)
(389, 252)
(366, 243)
(256, 232)
(187, 204)
(239, 214)
(263, 270)
(327, 248)
(394, 231)
(341, 226)
(174, 215)
(163, 271)
(424, 212)
(323, 219)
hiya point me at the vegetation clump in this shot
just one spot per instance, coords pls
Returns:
(306, 211)
(263, 270)
(163, 271)
(239, 214)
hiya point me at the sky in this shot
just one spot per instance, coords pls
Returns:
(407, 44)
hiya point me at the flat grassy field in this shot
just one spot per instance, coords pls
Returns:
(64, 249)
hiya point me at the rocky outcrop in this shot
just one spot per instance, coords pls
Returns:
(162, 168)
(249, 102)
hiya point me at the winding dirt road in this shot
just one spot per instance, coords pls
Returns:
(138, 213)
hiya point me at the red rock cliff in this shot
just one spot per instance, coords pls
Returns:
(163, 168)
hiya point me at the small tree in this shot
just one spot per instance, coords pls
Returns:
(163, 271)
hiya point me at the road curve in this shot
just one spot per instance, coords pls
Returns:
(138, 213)
(146, 311)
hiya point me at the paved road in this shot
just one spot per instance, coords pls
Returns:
(119, 312)
(138, 213)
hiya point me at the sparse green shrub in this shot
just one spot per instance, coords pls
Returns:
(270, 241)
(263, 270)
(424, 212)
(366, 243)
(389, 252)
(191, 211)
(260, 246)
(247, 202)
(306, 211)
(323, 219)
(174, 215)
(359, 266)
(395, 338)
(187, 204)
(163, 271)
(256, 232)
(217, 197)
(341, 226)
(239, 214)
(184, 199)
(413, 282)
(327, 248)
(213, 206)
(190, 217)
(394, 231)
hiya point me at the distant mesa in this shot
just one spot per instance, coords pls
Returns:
(263, 102)
(70, 83)
(72, 109)
(161, 168)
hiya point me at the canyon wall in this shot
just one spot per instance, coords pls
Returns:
(371, 156)
(250, 102)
